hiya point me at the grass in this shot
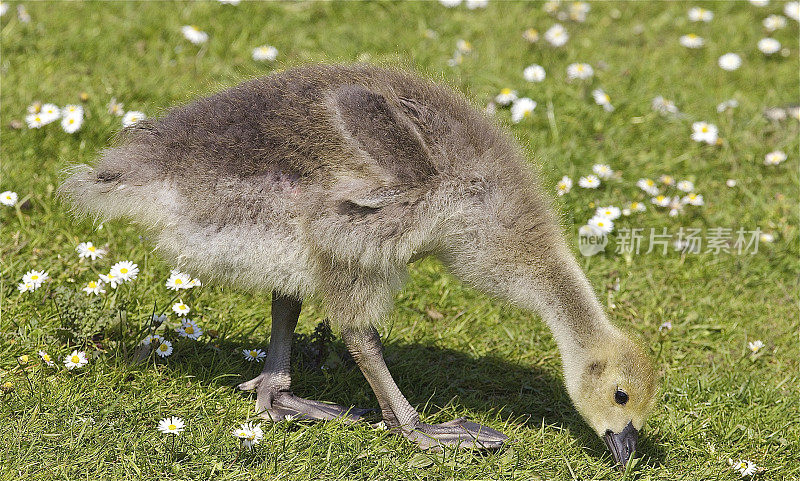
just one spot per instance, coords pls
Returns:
(482, 359)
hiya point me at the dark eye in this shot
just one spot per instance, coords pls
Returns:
(621, 397)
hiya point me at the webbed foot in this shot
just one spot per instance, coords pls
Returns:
(456, 433)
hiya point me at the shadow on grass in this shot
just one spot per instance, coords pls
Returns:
(432, 378)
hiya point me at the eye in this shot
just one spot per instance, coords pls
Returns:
(621, 397)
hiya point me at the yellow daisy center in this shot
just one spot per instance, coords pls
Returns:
(704, 129)
(34, 277)
(124, 270)
(91, 248)
(75, 359)
(178, 281)
(172, 427)
(72, 121)
(189, 330)
(253, 353)
(92, 284)
(505, 91)
(163, 347)
(46, 357)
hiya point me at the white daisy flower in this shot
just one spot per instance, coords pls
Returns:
(111, 279)
(3, 8)
(685, 186)
(589, 182)
(94, 287)
(26, 287)
(125, 271)
(189, 329)
(730, 62)
(556, 35)
(602, 224)
(633, 207)
(792, 10)
(89, 250)
(774, 157)
(46, 358)
(473, 4)
(579, 71)
(8, 198)
(265, 53)
(450, 3)
(705, 132)
(602, 98)
(551, 7)
(647, 185)
(755, 346)
(603, 171)
(610, 212)
(534, 73)
(76, 360)
(531, 35)
(72, 123)
(164, 348)
(766, 237)
(35, 277)
(34, 121)
(664, 106)
(774, 22)
(173, 425)
(522, 108)
(731, 183)
(195, 283)
(675, 206)
(727, 104)
(590, 231)
(746, 468)
(253, 354)
(250, 434)
(506, 96)
(564, 185)
(116, 108)
(768, 46)
(178, 280)
(50, 113)
(692, 199)
(661, 200)
(697, 14)
(578, 11)
(151, 338)
(132, 117)
(180, 308)
(666, 179)
(463, 46)
(194, 34)
(692, 41)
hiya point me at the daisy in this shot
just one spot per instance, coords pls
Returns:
(189, 329)
(473, 4)
(664, 106)
(579, 71)
(132, 117)
(692, 41)
(164, 348)
(551, 7)
(727, 104)
(730, 62)
(50, 113)
(125, 270)
(254, 354)
(111, 279)
(26, 287)
(173, 425)
(774, 22)
(685, 186)
(666, 326)
(506, 96)
(590, 231)
(556, 35)
(522, 108)
(660, 200)
(675, 206)
(692, 199)
(463, 46)
(648, 186)
(589, 182)
(746, 468)
(666, 179)
(759, 3)
(633, 207)
(34, 121)
(89, 250)
(8, 198)
(450, 3)
(35, 277)
(76, 360)
(94, 287)
(602, 98)
(265, 52)
(602, 224)
(531, 35)
(564, 185)
(195, 283)
(755, 346)
(250, 434)
(697, 14)
(151, 338)
(534, 73)
(46, 358)
(768, 46)
(178, 280)
(578, 11)
(72, 123)
(704, 132)
(766, 237)
(731, 183)
(792, 10)
(774, 157)
(116, 108)
(194, 34)
(603, 171)
(3, 8)
(610, 212)
(180, 308)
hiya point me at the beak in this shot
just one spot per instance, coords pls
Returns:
(622, 445)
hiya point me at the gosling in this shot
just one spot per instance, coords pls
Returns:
(327, 181)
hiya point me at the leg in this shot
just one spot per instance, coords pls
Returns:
(399, 416)
(275, 400)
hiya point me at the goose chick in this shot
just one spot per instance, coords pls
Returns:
(328, 181)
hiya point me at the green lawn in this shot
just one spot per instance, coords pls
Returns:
(454, 352)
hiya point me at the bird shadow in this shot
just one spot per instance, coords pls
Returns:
(436, 380)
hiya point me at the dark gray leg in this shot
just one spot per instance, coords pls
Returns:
(275, 400)
(367, 350)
